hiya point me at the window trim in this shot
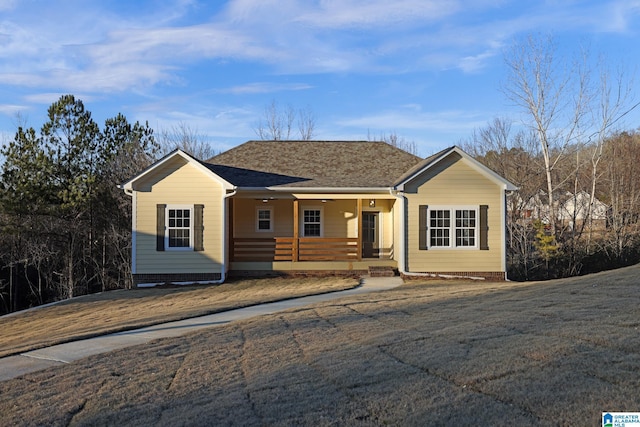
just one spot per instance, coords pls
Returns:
(258, 219)
(453, 228)
(303, 222)
(167, 246)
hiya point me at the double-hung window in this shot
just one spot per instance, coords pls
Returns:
(264, 219)
(440, 228)
(466, 227)
(312, 222)
(452, 227)
(179, 228)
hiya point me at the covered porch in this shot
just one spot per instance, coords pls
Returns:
(311, 232)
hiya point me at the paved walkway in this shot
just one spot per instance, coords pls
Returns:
(31, 361)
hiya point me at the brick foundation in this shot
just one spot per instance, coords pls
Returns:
(492, 276)
(168, 279)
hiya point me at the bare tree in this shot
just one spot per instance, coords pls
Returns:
(187, 139)
(306, 123)
(395, 140)
(621, 183)
(613, 99)
(555, 97)
(277, 123)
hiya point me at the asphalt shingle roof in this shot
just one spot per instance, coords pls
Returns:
(310, 164)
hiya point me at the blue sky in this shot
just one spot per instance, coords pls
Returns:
(426, 70)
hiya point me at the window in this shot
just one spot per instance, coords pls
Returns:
(453, 228)
(439, 228)
(312, 222)
(465, 227)
(179, 226)
(264, 219)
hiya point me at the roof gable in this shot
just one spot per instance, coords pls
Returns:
(128, 186)
(313, 164)
(433, 160)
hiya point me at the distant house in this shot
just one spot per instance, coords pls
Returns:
(571, 209)
(316, 207)
(574, 210)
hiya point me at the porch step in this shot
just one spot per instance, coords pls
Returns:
(375, 271)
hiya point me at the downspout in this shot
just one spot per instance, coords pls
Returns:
(223, 270)
(504, 233)
(399, 195)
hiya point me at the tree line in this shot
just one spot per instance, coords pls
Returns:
(546, 243)
(65, 226)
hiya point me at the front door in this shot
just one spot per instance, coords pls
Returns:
(370, 235)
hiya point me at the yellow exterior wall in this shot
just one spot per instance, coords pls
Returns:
(453, 182)
(180, 183)
(244, 218)
(340, 217)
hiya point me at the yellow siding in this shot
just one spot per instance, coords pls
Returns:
(340, 217)
(244, 221)
(454, 183)
(178, 182)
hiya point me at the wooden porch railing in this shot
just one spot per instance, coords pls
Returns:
(285, 248)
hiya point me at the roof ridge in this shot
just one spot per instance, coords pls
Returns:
(316, 163)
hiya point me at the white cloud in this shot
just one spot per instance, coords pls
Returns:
(415, 119)
(11, 109)
(376, 13)
(8, 4)
(264, 87)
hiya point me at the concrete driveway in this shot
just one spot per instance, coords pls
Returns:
(31, 361)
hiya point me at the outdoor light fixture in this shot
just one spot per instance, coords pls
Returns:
(372, 203)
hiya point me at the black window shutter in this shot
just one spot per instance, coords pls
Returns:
(160, 211)
(484, 228)
(198, 228)
(422, 226)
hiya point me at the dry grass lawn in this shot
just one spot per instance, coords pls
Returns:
(115, 311)
(437, 353)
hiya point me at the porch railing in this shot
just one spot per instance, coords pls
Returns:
(291, 249)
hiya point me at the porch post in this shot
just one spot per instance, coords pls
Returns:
(359, 229)
(296, 232)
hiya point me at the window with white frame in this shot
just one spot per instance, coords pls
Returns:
(440, 228)
(466, 224)
(453, 227)
(312, 222)
(264, 219)
(179, 227)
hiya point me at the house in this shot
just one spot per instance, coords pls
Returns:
(326, 207)
(572, 209)
(576, 208)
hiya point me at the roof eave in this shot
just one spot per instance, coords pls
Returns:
(128, 186)
(327, 190)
